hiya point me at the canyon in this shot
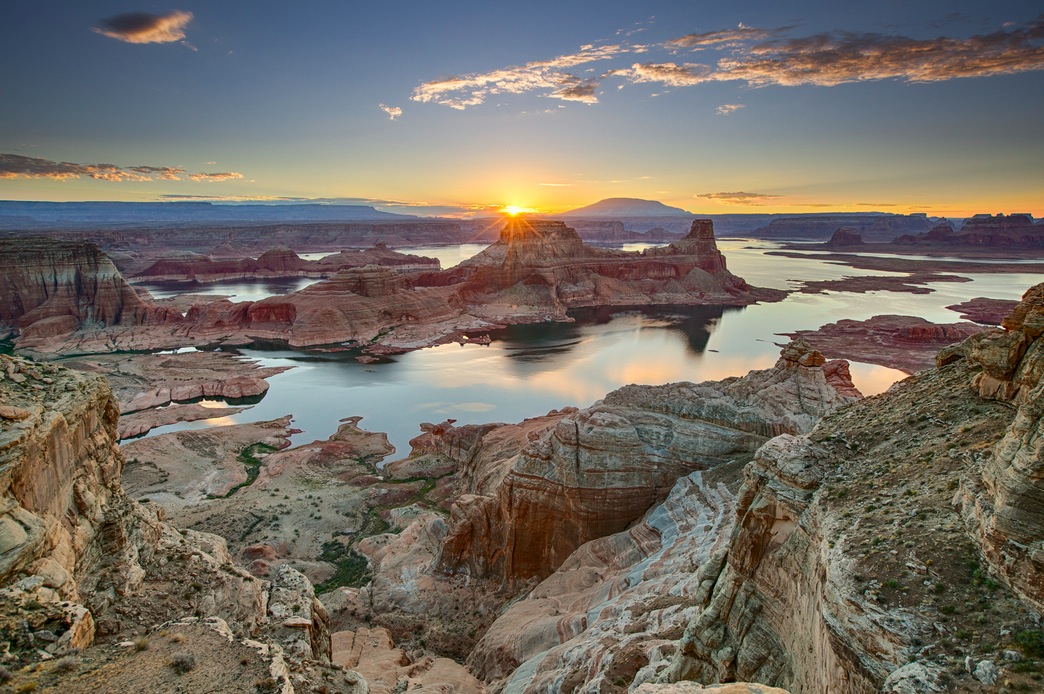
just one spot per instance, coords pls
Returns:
(535, 272)
(775, 529)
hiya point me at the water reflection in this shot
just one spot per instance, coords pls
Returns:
(528, 370)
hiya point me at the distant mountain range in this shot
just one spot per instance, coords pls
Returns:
(615, 208)
(28, 215)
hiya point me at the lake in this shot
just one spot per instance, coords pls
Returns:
(528, 370)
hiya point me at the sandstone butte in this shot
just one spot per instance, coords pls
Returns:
(67, 297)
(895, 545)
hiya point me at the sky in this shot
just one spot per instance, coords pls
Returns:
(460, 108)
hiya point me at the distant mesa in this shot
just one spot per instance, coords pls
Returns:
(844, 237)
(615, 208)
(983, 230)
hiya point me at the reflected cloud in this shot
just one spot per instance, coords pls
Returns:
(872, 379)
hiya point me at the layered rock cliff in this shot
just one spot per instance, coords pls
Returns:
(535, 272)
(545, 267)
(81, 563)
(278, 262)
(847, 570)
(53, 288)
(1004, 507)
(593, 472)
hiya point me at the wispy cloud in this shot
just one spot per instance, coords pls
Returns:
(727, 37)
(556, 185)
(20, 166)
(214, 177)
(392, 111)
(737, 198)
(726, 109)
(832, 59)
(548, 76)
(670, 74)
(757, 57)
(141, 27)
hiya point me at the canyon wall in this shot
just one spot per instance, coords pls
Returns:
(590, 473)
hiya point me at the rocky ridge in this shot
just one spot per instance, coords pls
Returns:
(277, 262)
(82, 564)
(535, 272)
(815, 594)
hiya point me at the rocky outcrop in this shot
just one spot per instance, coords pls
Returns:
(584, 474)
(1004, 507)
(843, 237)
(535, 272)
(278, 262)
(387, 669)
(983, 231)
(907, 343)
(53, 288)
(352, 306)
(845, 558)
(984, 311)
(84, 564)
(544, 268)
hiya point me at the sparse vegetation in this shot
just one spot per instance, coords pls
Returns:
(183, 662)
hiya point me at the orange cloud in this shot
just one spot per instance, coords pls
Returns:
(141, 27)
(214, 177)
(19, 166)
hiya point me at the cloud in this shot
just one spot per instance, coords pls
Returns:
(670, 74)
(726, 109)
(583, 91)
(392, 111)
(728, 37)
(840, 58)
(550, 76)
(141, 27)
(737, 198)
(19, 166)
(757, 57)
(214, 177)
(556, 185)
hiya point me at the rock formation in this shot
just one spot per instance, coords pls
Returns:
(83, 563)
(278, 262)
(592, 472)
(1004, 507)
(545, 268)
(983, 230)
(53, 288)
(844, 237)
(984, 311)
(845, 557)
(535, 272)
(907, 343)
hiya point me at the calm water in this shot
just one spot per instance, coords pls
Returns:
(529, 370)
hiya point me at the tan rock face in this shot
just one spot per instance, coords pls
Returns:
(547, 267)
(1005, 508)
(584, 474)
(53, 287)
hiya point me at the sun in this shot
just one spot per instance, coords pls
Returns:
(513, 210)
